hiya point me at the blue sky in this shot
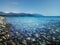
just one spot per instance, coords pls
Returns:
(44, 7)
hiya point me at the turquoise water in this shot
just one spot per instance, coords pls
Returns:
(30, 23)
(48, 27)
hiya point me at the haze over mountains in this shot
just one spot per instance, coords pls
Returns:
(18, 14)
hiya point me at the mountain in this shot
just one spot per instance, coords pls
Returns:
(18, 14)
(1, 12)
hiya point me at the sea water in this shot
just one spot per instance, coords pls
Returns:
(35, 27)
(30, 23)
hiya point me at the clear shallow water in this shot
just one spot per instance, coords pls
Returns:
(45, 28)
(30, 23)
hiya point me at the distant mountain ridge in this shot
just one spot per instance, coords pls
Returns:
(18, 14)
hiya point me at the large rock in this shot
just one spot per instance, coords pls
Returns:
(2, 20)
